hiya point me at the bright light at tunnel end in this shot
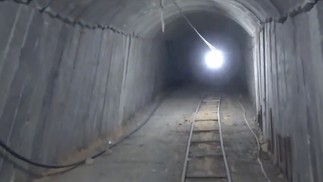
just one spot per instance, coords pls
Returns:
(214, 59)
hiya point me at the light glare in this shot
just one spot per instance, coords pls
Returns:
(214, 59)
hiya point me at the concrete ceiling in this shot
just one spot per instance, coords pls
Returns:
(143, 16)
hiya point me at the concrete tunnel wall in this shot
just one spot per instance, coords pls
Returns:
(289, 92)
(44, 58)
(63, 86)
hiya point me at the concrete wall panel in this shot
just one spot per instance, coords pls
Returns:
(293, 95)
(63, 87)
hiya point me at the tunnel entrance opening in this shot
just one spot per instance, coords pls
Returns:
(187, 51)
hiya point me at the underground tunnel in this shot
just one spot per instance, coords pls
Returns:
(111, 90)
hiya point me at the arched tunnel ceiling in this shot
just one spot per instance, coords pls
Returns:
(234, 11)
(207, 23)
(143, 16)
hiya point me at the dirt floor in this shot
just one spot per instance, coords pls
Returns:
(156, 152)
(240, 145)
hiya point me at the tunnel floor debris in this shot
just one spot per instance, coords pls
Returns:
(156, 152)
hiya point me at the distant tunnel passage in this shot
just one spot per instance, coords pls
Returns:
(74, 74)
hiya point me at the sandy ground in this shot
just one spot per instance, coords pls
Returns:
(156, 152)
(240, 145)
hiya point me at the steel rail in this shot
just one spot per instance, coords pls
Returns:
(227, 169)
(189, 143)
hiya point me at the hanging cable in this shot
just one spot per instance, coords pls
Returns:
(162, 15)
(79, 163)
(192, 26)
(15, 154)
(257, 140)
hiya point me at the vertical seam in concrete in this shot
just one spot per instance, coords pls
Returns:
(13, 121)
(124, 79)
(5, 52)
(295, 50)
(128, 57)
(277, 92)
(106, 85)
(94, 81)
(15, 114)
(49, 88)
(7, 49)
(255, 57)
(28, 27)
(23, 44)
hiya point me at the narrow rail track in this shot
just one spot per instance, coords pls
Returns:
(205, 158)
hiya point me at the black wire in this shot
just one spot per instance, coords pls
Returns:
(18, 156)
(76, 164)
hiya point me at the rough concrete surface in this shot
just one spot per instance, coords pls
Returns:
(77, 84)
(289, 88)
